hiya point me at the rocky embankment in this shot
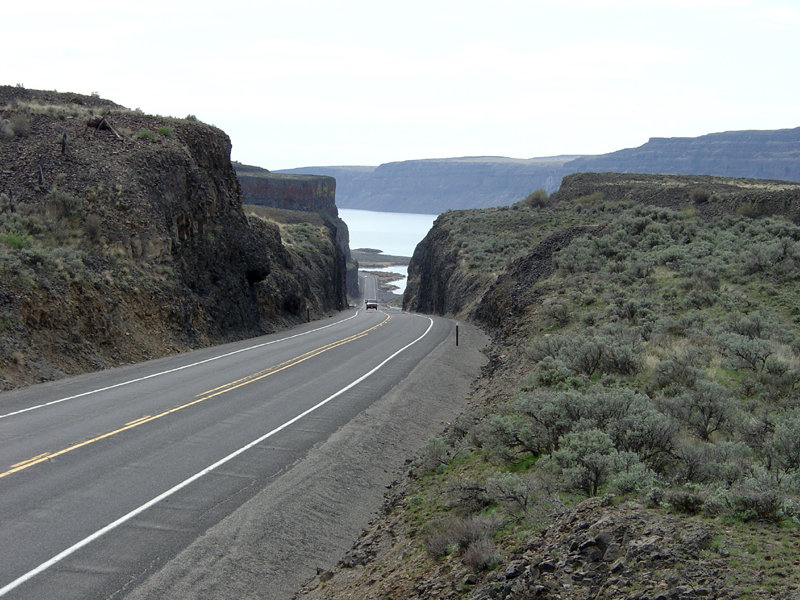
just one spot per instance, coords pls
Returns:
(122, 238)
(590, 551)
(709, 197)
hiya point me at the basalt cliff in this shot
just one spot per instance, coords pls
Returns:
(123, 238)
(302, 193)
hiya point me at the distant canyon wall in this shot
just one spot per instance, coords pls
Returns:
(436, 185)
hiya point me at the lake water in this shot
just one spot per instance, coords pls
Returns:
(393, 233)
(396, 234)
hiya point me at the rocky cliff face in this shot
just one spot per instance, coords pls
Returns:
(122, 237)
(309, 193)
(438, 282)
(708, 196)
(304, 193)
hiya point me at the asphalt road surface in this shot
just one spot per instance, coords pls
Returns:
(369, 286)
(106, 478)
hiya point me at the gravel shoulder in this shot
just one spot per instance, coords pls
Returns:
(310, 517)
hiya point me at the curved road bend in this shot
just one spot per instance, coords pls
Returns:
(105, 477)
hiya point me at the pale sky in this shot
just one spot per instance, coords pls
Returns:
(309, 83)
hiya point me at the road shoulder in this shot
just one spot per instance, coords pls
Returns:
(310, 517)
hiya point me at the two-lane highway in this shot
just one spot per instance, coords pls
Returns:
(107, 476)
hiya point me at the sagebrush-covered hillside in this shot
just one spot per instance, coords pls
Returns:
(636, 433)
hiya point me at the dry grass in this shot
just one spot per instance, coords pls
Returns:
(283, 216)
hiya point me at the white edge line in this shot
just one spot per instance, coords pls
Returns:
(111, 526)
(202, 362)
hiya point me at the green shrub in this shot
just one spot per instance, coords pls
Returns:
(434, 454)
(93, 226)
(646, 431)
(757, 498)
(558, 312)
(784, 447)
(546, 345)
(699, 195)
(482, 555)
(686, 501)
(453, 535)
(553, 372)
(19, 126)
(705, 408)
(583, 354)
(15, 240)
(146, 134)
(747, 209)
(634, 478)
(674, 375)
(165, 131)
(510, 488)
(64, 204)
(537, 199)
(505, 436)
(585, 459)
(590, 199)
(745, 351)
(621, 353)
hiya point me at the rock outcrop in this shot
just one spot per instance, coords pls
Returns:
(304, 193)
(623, 553)
(709, 196)
(122, 237)
(591, 551)
(437, 283)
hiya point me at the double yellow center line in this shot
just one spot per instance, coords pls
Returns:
(213, 393)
